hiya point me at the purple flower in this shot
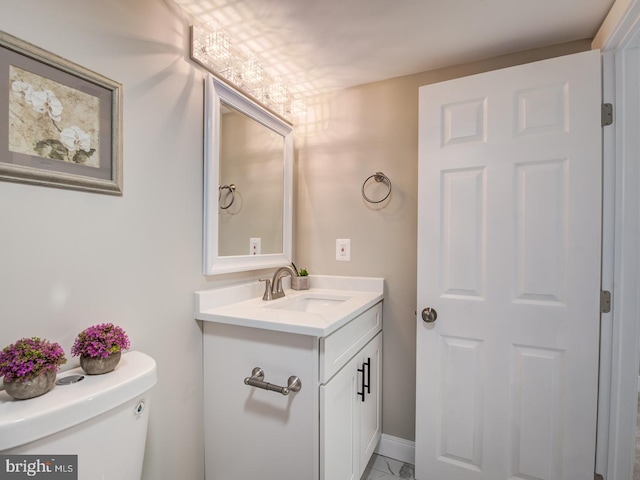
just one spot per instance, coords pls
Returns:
(29, 357)
(100, 341)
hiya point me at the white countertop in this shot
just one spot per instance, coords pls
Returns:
(243, 305)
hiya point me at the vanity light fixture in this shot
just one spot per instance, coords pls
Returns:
(216, 46)
(298, 106)
(212, 48)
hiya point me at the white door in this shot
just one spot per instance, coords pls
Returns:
(509, 258)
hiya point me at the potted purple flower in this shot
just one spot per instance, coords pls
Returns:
(100, 347)
(29, 367)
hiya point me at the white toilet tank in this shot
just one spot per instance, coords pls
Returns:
(102, 419)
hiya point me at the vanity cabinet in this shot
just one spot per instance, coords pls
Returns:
(325, 431)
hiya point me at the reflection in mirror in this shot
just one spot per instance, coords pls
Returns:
(248, 183)
(251, 188)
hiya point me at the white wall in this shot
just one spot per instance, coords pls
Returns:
(70, 259)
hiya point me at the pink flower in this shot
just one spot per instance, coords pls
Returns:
(100, 341)
(29, 357)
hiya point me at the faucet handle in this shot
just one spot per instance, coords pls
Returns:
(267, 289)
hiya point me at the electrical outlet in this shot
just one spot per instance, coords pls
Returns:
(255, 244)
(343, 249)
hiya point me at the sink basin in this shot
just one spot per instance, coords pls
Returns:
(310, 303)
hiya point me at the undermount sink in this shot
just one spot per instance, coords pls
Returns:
(310, 303)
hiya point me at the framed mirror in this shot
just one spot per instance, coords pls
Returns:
(248, 183)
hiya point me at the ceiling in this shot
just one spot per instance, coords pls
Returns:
(321, 45)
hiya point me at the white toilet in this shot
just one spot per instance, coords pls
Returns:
(102, 419)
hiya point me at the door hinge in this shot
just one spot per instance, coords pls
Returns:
(607, 114)
(597, 476)
(605, 301)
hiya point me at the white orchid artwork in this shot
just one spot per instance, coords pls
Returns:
(51, 120)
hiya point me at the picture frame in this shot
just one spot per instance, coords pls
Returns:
(65, 121)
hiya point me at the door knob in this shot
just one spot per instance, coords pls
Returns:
(429, 315)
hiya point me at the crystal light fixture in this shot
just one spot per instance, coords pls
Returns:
(213, 49)
(251, 72)
(298, 107)
(278, 92)
(216, 45)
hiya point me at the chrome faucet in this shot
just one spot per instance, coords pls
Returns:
(273, 288)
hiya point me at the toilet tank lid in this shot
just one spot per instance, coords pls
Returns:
(23, 421)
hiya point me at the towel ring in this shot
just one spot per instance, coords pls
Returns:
(232, 191)
(378, 177)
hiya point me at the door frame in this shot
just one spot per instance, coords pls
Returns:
(619, 42)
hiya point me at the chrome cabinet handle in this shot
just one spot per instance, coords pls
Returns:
(429, 315)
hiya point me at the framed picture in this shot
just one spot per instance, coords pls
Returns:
(65, 124)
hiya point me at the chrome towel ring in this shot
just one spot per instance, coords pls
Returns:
(378, 177)
(231, 190)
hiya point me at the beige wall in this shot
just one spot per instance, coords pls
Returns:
(251, 158)
(346, 137)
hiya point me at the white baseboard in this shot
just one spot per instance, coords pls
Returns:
(397, 448)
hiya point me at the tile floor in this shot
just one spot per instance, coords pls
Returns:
(636, 468)
(383, 468)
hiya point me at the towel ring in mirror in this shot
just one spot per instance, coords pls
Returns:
(378, 177)
(231, 191)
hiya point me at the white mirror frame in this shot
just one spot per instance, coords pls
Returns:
(215, 92)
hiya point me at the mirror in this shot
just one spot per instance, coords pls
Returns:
(248, 183)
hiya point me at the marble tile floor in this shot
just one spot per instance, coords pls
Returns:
(383, 468)
(636, 467)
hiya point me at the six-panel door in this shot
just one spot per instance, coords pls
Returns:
(509, 256)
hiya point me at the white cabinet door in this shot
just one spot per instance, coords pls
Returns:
(351, 423)
(370, 408)
(509, 256)
(339, 422)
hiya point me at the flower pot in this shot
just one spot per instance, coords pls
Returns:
(22, 389)
(300, 283)
(99, 365)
